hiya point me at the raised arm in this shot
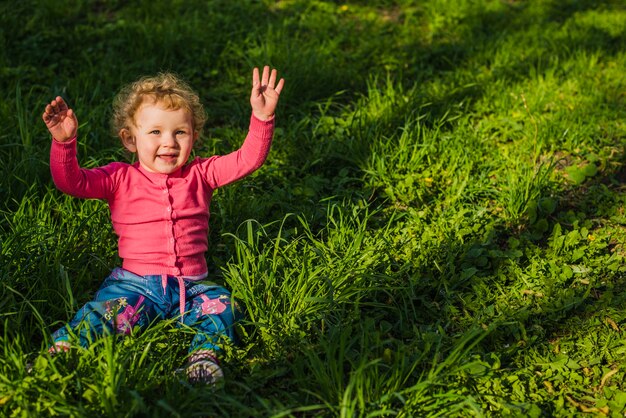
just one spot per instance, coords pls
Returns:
(252, 154)
(66, 173)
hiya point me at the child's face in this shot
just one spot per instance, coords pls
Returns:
(162, 138)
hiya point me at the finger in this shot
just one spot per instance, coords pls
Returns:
(280, 85)
(255, 77)
(61, 103)
(272, 81)
(50, 110)
(50, 119)
(56, 105)
(256, 91)
(266, 75)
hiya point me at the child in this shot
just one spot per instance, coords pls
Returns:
(160, 211)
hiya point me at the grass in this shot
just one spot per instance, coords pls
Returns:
(439, 229)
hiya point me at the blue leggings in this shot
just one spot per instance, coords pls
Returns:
(126, 301)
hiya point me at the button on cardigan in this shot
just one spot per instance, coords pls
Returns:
(161, 220)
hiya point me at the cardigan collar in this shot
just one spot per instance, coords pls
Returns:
(159, 176)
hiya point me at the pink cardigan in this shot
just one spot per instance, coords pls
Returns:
(162, 220)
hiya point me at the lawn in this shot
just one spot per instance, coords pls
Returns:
(439, 229)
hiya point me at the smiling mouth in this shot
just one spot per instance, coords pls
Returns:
(168, 157)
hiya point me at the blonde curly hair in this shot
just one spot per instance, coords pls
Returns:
(166, 89)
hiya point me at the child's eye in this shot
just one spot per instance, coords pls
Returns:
(180, 132)
(155, 132)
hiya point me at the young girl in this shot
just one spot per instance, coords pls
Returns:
(160, 211)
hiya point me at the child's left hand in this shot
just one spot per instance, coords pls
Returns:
(265, 93)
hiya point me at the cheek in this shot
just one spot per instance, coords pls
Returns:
(188, 147)
(145, 150)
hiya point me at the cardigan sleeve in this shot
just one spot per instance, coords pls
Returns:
(222, 170)
(96, 183)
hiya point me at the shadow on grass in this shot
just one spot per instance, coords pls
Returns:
(336, 169)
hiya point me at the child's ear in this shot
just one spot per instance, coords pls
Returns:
(128, 139)
(196, 135)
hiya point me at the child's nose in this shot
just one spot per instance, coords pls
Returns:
(169, 139)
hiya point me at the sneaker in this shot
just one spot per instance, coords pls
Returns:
(205, 372)
(203, 368)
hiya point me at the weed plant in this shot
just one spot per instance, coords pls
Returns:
(439, 229)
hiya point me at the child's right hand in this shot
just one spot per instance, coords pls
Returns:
(60, 120)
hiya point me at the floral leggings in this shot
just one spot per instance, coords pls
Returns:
(126, 301)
